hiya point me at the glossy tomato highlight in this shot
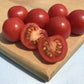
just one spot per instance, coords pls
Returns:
(76, 19)
(58, 25)
(31, 34)
(58, 10)
(12, 28)
(18, 11)
(53, 49)
(38, 16)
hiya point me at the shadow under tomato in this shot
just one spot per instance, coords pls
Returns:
(37, 54)
(21, 46)
(4, 40)
(75, 35)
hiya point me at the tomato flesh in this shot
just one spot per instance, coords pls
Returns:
(53, 49)
(31, 34)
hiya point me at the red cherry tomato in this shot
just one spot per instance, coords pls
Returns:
(58, 25)
(76, 19)
(31, 34)
(17, 11)
(38, 16)
(12, 28)
(53, 49)
(58, 10)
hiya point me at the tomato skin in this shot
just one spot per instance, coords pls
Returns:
(38, 16)
(55, 58)
(58, 10)
(12, 28)
(76, 19)
(17, 11)
(58, 25)
(27, 42)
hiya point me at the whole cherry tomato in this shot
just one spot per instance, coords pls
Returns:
(31, 34)
(58, 25)
(76, 19)
(17, 11)
(58, 10)
(53, 49)
(12, 28)
(38, 16)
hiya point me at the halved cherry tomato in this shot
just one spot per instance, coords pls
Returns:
(58, 25)
(38, 16)
(17, 11)
(76, 19)
(31, 34)
(12, 28)
(53, 49)
(58, 10)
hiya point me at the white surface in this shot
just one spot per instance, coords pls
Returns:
(71, 73)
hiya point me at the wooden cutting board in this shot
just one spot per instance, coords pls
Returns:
(31, 60)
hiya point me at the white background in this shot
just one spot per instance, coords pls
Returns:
(71, 73)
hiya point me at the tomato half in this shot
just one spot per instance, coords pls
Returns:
(76, 19)
(38, 16)
(31, 34)
(53, 49)
(17, 11)
(12, 28)
(58, 10)
(58, 25)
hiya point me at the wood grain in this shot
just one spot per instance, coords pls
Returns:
(31, 60)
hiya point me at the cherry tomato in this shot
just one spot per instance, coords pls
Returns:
(53, 49)
(58, 10)
(17, 11)
(38, 16)
(76, 19)
(31, 34)
(58, 25)
(12, 28)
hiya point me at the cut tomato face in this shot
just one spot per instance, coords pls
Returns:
(31, 34)
(53, 49)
